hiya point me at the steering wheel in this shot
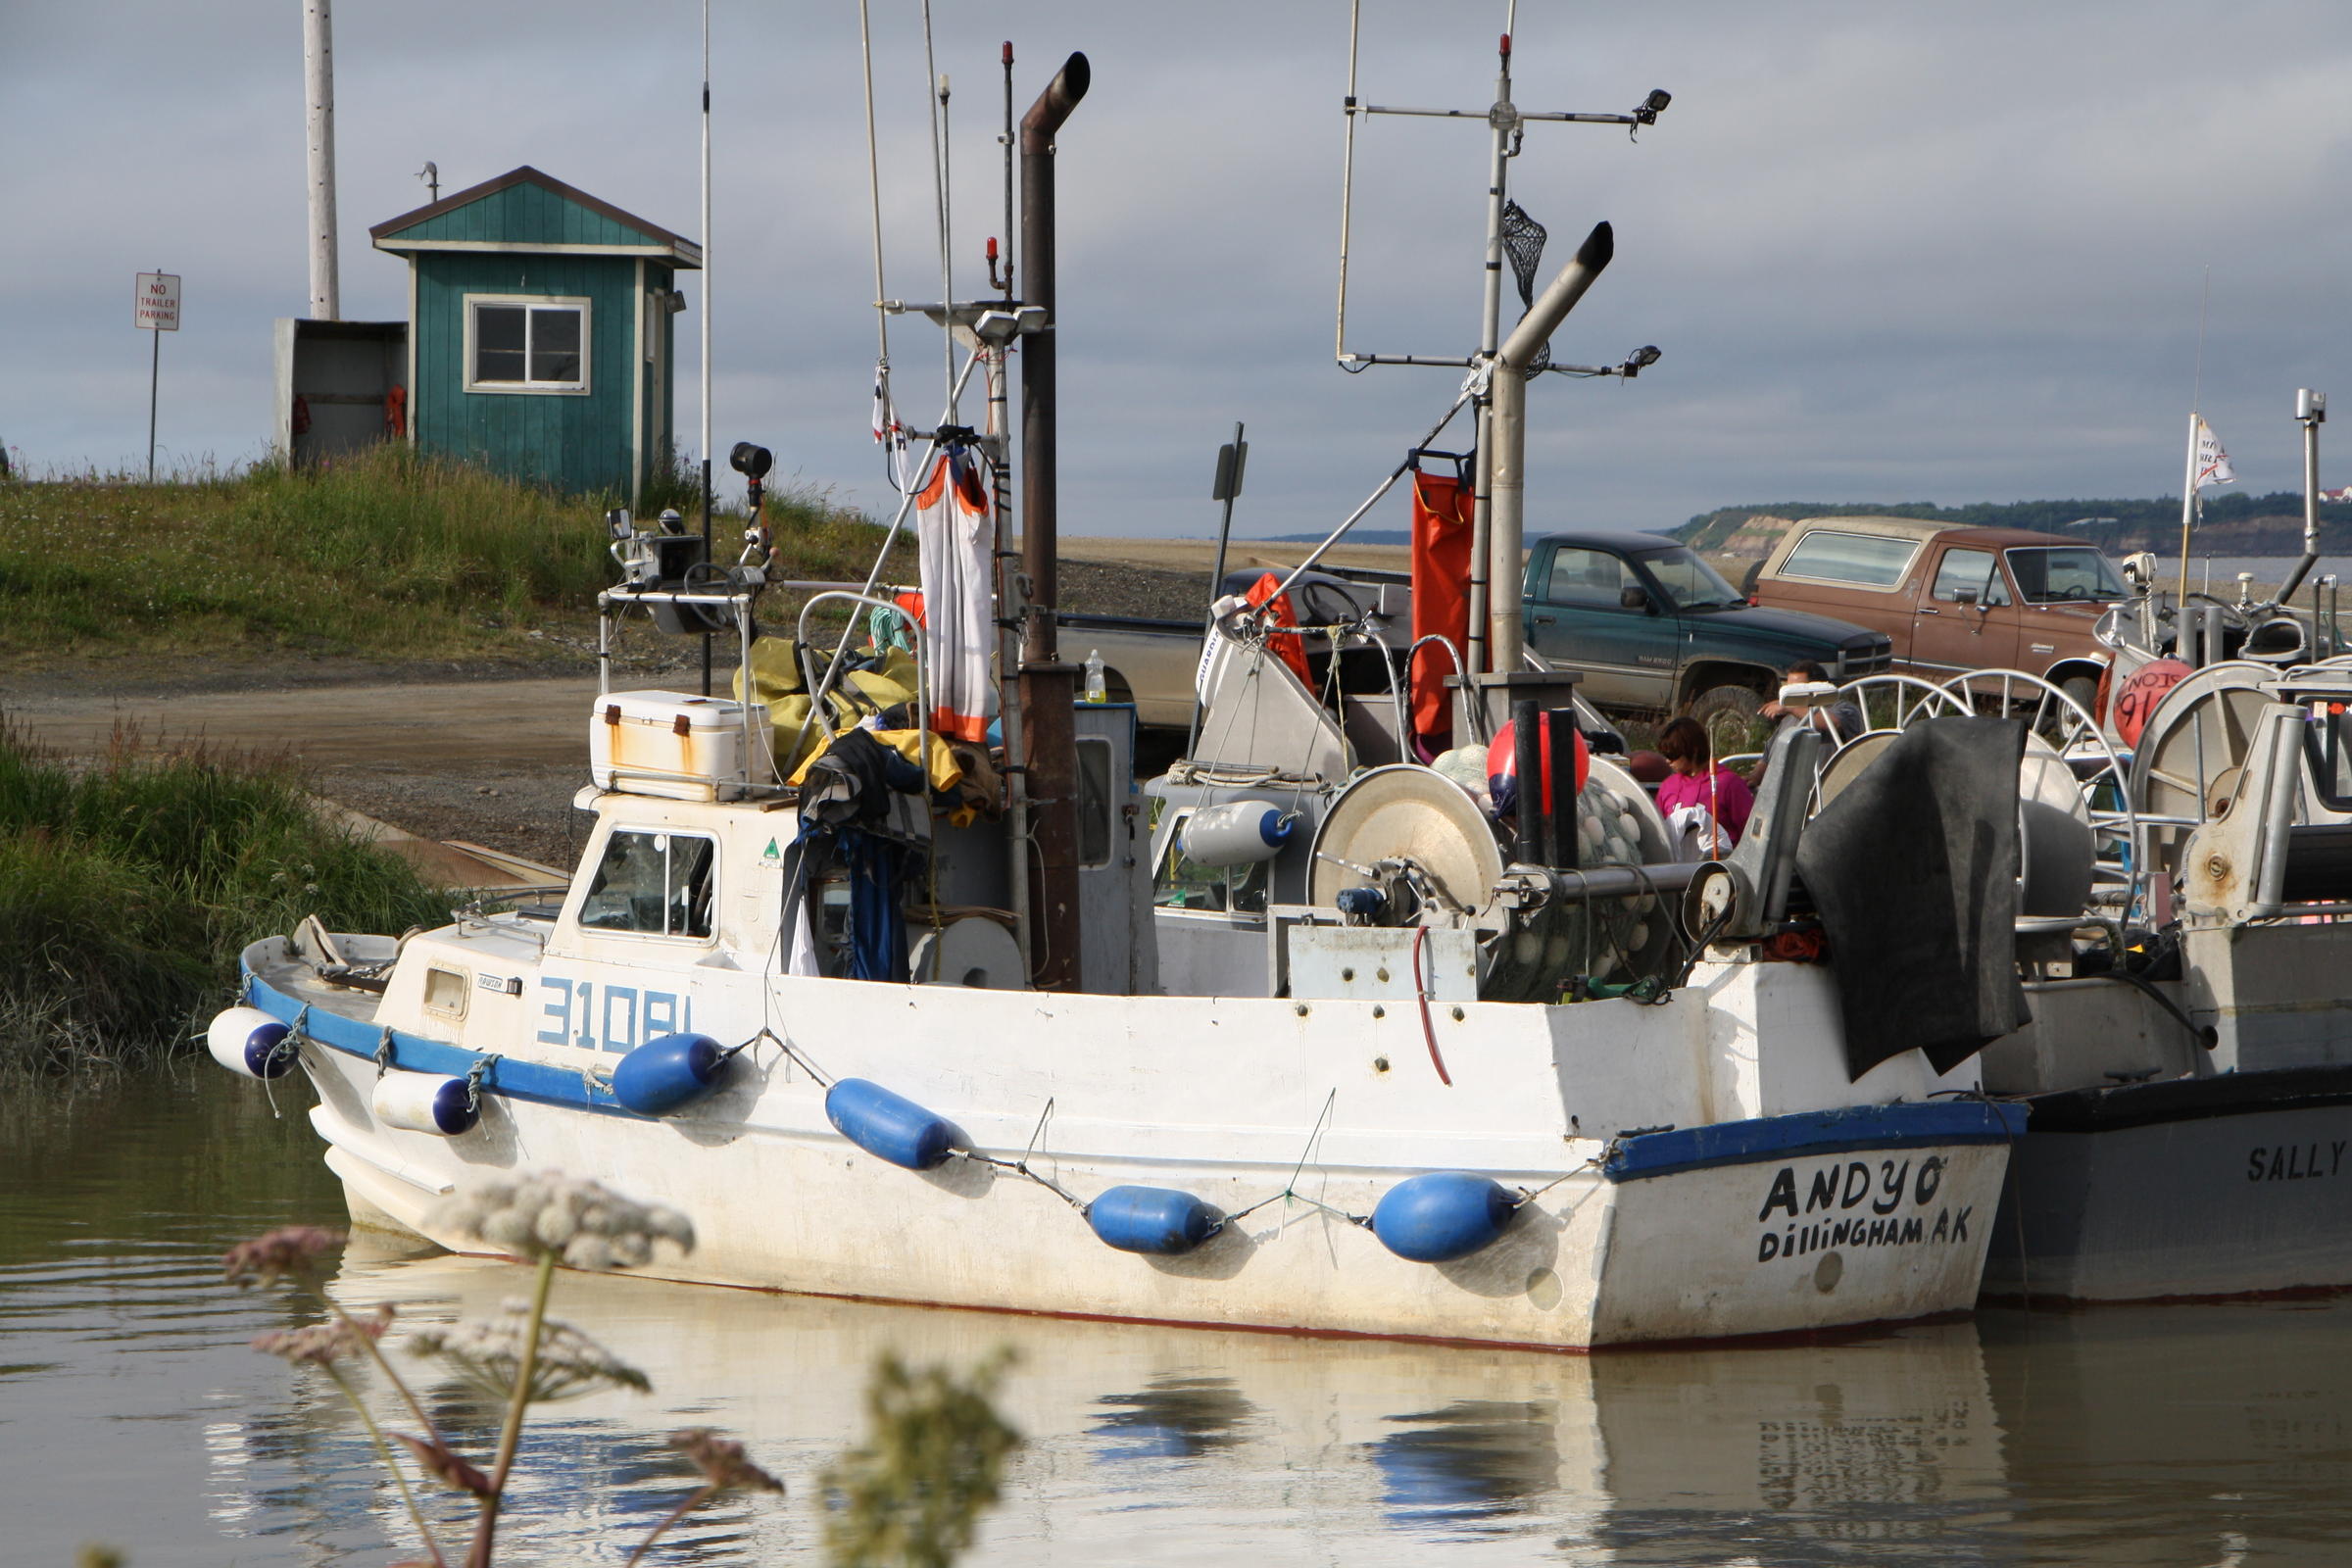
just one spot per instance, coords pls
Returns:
(2076, 593)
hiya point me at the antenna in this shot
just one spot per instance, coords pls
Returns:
(430, 174)
(1510, 234)
(707, 247)
(1508, 123)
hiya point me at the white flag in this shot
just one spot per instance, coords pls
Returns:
(2213, 464)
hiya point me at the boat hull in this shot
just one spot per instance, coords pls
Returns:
(1772, 1225)
(2233, 1185)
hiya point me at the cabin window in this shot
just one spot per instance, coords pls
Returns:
(1866, 560)
(517, 343)
(1597, 578)
(1096, 803)
(654, 884)
(1973, 570)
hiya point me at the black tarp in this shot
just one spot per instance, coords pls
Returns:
(1913, 867)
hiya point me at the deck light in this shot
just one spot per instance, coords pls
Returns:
(751, 462)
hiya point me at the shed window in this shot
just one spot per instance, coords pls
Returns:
(526, 345)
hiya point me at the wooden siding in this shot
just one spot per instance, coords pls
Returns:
(525, 213)
(575, 442)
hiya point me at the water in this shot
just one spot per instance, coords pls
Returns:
(131, 1411)
(2218, 574)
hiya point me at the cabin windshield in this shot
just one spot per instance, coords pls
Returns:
(2064, 574)
(1690, 582)
(654, 884)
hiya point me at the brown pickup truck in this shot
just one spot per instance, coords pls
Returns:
(1953, 599)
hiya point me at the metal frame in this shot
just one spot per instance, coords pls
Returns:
(615, 601)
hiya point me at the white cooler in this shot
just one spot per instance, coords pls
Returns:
(674, 746)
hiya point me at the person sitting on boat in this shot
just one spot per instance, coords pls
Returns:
(1808, 697)
(1704, 802)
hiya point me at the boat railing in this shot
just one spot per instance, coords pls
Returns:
(808, 676)
(737, 602)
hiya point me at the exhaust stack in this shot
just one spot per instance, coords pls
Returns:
(1040, 521)
(1509, 472)
(1048, 686)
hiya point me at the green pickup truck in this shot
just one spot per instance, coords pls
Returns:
(1652, 625)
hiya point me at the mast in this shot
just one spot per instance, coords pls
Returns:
(1491, 650)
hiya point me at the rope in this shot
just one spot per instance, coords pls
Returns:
(383, 1053)
(475, 1075)
(1020, 1166)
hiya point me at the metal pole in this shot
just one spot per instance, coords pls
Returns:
(1338, 347)
(2311, 408)
(2188, 501)
(1046, 699)
(707, 248)
(155, 366)
(1507, 466)
(1228, 486)
(318, 81)
(1504, 118)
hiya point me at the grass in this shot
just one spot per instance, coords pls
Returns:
(387, 554)
(128, 886)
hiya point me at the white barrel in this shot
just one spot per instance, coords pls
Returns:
(423, 1102)
(250, 1043)
(1237, 833)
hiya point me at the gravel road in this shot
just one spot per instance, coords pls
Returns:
(489, 753)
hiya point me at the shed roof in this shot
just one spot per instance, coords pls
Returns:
(524, 210)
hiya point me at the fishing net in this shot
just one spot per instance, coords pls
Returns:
(1523, 242)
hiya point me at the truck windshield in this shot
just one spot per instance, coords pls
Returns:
(2064, 573)
(1689, 581)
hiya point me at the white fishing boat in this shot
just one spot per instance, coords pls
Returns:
(1303, 1037)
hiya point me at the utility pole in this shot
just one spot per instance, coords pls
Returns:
(319, 81)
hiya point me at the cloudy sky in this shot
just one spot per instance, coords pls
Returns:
(1890, 252)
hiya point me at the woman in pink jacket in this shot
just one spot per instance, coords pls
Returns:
(1700, 781)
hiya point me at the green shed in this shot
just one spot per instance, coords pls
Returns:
(540, 331)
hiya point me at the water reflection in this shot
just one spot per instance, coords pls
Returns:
(1172, 1418)
(2195, 1435)
(133, 1411)
(1475, 1459)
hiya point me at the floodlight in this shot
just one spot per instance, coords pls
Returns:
(751, 462)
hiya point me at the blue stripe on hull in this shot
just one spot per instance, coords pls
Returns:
(522, 1080)
(1813, 1131)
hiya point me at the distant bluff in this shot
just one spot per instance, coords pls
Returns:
(2233, 525)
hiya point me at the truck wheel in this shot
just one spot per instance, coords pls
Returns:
(2083, 689)
(1728, 713)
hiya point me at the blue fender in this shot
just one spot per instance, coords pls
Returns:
(1157, 1220)
(887, 1126)
(1442, 1215)
(668, 1073)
